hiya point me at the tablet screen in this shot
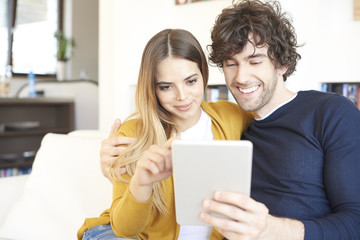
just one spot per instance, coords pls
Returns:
(202, 167)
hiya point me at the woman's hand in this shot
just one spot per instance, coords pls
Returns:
(155, 165)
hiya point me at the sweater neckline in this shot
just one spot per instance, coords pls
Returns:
(277, 108)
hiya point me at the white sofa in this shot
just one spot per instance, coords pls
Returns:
(65, 186)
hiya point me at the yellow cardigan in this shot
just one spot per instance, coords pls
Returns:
(133, 219)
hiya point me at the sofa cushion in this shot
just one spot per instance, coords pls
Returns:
(11, 189)
(66, 186)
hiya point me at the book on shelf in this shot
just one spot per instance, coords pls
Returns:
(223, 92)
(349, 90)
(10, 172)
(352, 92)
(218, 92)
(358, 97)
(212, 94)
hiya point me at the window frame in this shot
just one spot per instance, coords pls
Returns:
(12, 5)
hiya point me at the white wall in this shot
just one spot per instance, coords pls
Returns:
(85, 31)
(125, 28)
(331, 37)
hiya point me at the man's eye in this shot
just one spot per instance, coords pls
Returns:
(255, 63)
(230, 64)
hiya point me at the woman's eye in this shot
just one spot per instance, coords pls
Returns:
(255, 63)
(192, 81)
(163, 88)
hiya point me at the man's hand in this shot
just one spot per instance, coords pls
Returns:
(110, 149)
(248, 219)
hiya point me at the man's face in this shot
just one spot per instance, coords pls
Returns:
(253, 80)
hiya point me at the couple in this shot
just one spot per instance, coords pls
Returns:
(305, 181)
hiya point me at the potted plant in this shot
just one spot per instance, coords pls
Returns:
(63, 44)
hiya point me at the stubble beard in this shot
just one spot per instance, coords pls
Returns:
(260, 102)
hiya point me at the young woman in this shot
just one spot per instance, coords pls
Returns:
(169, 102)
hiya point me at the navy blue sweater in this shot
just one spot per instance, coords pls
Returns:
(306, 164)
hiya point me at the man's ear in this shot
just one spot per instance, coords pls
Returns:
(282, 69)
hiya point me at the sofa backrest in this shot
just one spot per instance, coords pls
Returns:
(65, 187)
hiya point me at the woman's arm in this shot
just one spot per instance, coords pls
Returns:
(132, 203)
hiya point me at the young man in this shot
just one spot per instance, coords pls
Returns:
(306, 160)
(306, 144)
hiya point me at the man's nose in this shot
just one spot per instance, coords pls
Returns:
(242, 75)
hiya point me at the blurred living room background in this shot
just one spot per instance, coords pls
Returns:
(36, 96)
(68, 68)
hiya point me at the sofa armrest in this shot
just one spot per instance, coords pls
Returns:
(11, 189)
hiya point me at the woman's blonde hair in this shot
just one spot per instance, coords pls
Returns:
(154, 125)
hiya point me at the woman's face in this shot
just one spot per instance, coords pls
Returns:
(180, 90)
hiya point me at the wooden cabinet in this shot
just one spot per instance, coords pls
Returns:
(25, 121)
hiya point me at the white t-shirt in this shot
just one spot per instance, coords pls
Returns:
(200, 131)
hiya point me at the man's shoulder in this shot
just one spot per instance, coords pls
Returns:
(319, 94)
(327, 104)
(327, 98)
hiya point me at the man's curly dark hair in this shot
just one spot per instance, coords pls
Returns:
(268, 26)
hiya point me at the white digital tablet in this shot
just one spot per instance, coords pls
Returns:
(202, 167)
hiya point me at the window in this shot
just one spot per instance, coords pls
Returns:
(32, 45)
(3, 34)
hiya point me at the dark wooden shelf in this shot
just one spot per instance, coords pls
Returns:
(24, 164)
(33, 132)
(52, 115)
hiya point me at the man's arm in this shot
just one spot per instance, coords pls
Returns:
(248, 219)
(340, 141)
(110, 149)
